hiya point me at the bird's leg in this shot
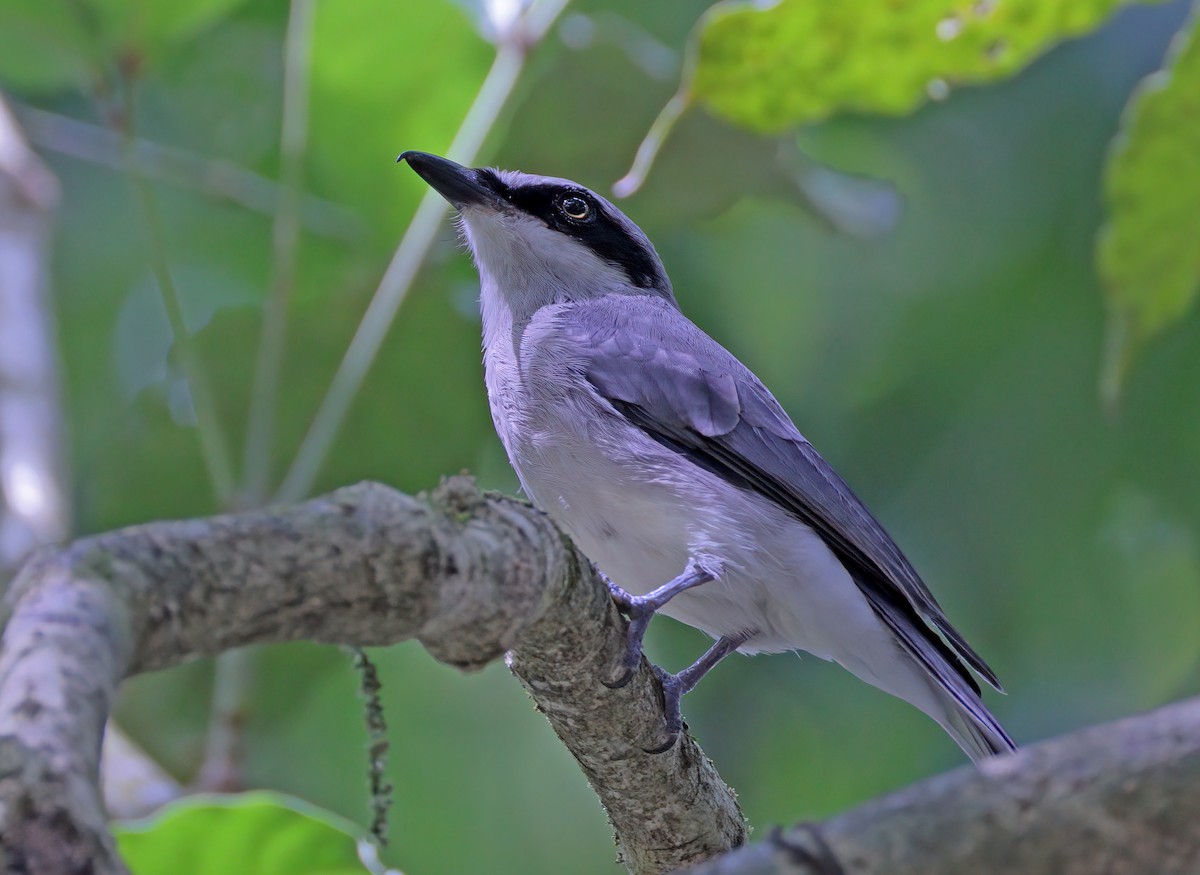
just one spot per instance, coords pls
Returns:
(676, 685)
(641, 608)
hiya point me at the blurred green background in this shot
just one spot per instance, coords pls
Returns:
(946, 363)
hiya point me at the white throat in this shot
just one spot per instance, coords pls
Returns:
(524, 266)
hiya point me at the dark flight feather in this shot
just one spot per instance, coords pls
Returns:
(724, 420)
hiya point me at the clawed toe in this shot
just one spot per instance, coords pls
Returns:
(622, 599)
(673, 690)
(663, 748)
(633, 651)
(675, 686)
(640, 610)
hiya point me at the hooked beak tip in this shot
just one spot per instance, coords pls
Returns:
(457, 184)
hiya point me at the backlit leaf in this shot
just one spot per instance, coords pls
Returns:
(768, 68)
(1149, 253)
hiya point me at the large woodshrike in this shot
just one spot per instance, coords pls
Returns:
(672, 466)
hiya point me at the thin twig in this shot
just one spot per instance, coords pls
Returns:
(233, 676)
(647, 151)
(213, 447)
(233, 672)
(493, 94)
(396, 282)
(185, 170)
(293, 142)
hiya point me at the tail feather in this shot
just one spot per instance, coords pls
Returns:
(980, 738)
(963, 714)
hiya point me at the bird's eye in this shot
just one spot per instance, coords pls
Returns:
(576, 208)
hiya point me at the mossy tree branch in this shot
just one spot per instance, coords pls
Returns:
(473, 577)
(470, 576)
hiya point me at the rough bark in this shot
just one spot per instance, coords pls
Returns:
(689, 813)
(1117, 799)
(473, 576)
(470, 576)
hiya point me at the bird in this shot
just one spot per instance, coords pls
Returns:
(675, 470)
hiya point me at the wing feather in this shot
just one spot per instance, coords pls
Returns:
(690, 394)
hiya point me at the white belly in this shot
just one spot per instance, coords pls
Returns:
(641, 513)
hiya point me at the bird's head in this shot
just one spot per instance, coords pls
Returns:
(543, 239)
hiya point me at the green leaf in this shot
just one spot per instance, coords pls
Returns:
(253, 833)
(1149, 252)
(768, 68)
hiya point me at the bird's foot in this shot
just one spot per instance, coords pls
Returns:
(673, 690)
(622, 599)
(675, 686)
(640, 614)
(640, 609)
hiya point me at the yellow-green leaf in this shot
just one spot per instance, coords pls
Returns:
(770, 67)
(256, 833)
(1149, 253)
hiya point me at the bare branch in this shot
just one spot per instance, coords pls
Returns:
(672, 806)
(501, 80)
(469, 576)
(1122, 798)
(214, 448)
(33, 508)
(285, 240)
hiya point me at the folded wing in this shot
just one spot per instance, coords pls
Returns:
(689, 394)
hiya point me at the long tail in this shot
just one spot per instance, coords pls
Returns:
(977, 731)
(962, 712)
